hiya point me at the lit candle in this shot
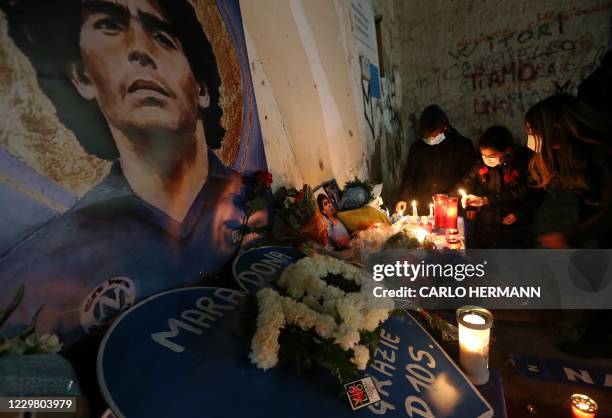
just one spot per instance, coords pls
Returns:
(421, 234)
(440, 210)
(583, 406)
(463, 197)
(414, 210)
(452, 209)
(474, 331)
(431, 206)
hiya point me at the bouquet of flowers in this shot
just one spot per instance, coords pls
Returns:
(27, 341)
(323, 313)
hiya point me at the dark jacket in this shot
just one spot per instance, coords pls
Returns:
(595, 202)
(506, 188)
(433, 169)
(596, 89)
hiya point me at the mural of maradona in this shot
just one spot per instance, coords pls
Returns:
(141, 86)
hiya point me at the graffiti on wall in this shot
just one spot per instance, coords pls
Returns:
(494, 77)
(510, 70)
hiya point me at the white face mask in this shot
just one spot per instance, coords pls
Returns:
(532, 143)
(491, 162)
(435, 140)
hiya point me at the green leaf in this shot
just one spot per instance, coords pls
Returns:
(32, 327)
(260, 229)
(6, 314)
(257, 204)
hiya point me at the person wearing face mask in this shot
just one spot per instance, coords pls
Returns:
(437, 160)
(573, 153)
(498, 186)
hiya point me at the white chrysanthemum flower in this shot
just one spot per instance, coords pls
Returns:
(346, 337)
(374, 317)
(313, 304)
(51, 343)
(361, 357)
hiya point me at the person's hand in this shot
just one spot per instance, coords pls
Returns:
(472, 200)
(553, 240)
(509, 219)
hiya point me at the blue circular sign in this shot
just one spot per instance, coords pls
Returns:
(182, 354)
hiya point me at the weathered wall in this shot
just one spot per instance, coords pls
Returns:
(318, 117)
(394, 134)
(485, 62)
(302, 83)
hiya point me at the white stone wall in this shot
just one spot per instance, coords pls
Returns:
(307, 78)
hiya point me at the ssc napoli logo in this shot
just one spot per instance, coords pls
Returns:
(106, 302)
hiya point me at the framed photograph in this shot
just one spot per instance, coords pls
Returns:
(333, 192)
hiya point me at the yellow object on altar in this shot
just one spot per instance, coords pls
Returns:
(362, 218)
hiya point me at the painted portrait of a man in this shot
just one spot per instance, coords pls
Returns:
(138, 84)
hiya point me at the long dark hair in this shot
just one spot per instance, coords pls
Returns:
(565, 128)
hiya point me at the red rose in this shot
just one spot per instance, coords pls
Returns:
(263, 177)
(511, 177)
(300, 196)
(483, 171)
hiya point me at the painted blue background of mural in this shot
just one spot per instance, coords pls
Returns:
(206, 361)
(87, 260)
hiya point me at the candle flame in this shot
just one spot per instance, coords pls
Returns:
(584, 403)
(421, 234)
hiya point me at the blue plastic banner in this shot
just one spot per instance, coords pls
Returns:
(555, 370)
(374, 82)
(258, 267)
(182, 354)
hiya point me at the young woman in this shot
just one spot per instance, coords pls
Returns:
(336, 231)
(497, 184)
(572, 144)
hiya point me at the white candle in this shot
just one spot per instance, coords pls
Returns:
(431, 207)
(414, 210)
(463, 196)
(583, 406)
(474, 332)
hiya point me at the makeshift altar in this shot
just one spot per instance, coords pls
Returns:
(302, 327)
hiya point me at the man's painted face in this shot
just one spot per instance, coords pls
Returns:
(135, 68)
(328, 208)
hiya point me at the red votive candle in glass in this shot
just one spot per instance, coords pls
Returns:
(440, 210)
(452, 207)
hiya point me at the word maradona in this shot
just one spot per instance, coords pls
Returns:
(459, 292)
